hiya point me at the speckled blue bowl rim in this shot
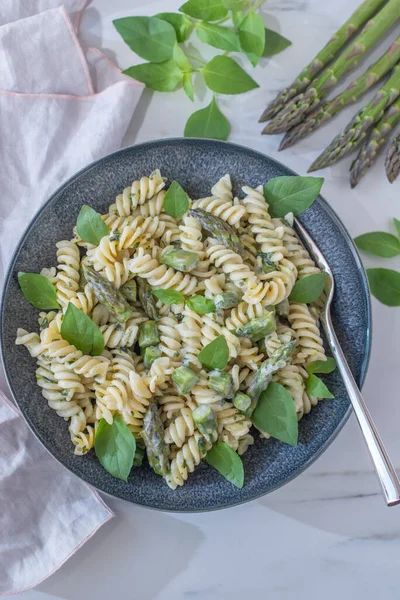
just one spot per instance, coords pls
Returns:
(332, 215)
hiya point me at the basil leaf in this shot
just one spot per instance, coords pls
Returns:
(291, 193)
(38, 290)
(151, 38)
(308, 289)
(216, 354)
(182, 25)
(397, 225)
(176, 202)
(200, 305)
(385, 285)
(275, 414)
(315, 387)
(161, 77)
(237, 18)
(79, 330)
(90, 226)
(252, 37)
(208, 122)
(274, 43)
(234, 4)
(207, 10)
(187, 85)
(169, 296)
(115, 447)
(224, 76)
(217, 36)
(227, 462)
(378, 243)
(181, 59)
(322, 366)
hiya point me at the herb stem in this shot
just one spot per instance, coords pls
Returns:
(200, 60)
(222, 20)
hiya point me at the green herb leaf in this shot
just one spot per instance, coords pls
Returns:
(151, 38)
(115, 447)
(169, 296)
(187, 85)
(322, 366)
(397, 225)
(291, 193)
(217, 36)
(274, 43)
(38, 290)
(79, 329)
(308, 289)
(224, 76)
(216, 354)
(227, 462)
(379, 243)
(385, 285)
(181, 59)
(275, 414)
(234, 4)
(207, 10)
(182, 25)
(90, 226)
(161, 77)
(252, 37)
(315, 387)
(237, 18)
(208, 122)
(176, 202)
(201, 305)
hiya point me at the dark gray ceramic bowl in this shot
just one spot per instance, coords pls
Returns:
(196, 164)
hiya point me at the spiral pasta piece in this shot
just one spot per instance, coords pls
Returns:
(83, 441)
(191, 239)
(309, 346)
(68, 265)
(242, 314)
(211, 329)
(230, 263)
(154, 206)
(170, 339)
(297, 253)
(223, 188)
(161, 276)
(185, 461)
(180, 428)
(227, 210)
(141, 190)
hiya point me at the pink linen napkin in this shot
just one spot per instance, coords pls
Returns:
(60, 108)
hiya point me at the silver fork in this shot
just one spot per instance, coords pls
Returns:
(386, 473)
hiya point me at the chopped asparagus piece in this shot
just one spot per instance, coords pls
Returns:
(242, 402)
(150, 353)
(219, 229)
(267, 264)
(184, 379)
(180, 260)
(227, 300)
(221, 382)
(205, 419)
(284, 351)
(147, 299)
(82, 280)
(258, 328)
(106, 294)
(129, 290)
(153, 437)
(139, 456)
(262, 345)
(148, 334)
(282, 309)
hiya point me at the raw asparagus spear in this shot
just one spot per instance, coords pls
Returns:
(148, 334)
(153, 437)
(364, 12)
(300, 106)
(219, 229)
(205, 419)
(375, 143)
(221, 382)
(147, 299)
(180, 260)
(227, 300)
(106, 294)
(258, 328)
(184, 379)
(129, 290)
(392, 162)
(329, 109)
(357, 130)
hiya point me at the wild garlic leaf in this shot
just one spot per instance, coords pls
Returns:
(208, 122)
(200, 305)
(115, 447)
(274, 43)
(182, 25)
(252, 37)
(227, 462)
(90, 226)
(187, 85)
(79, 330)
(38, 290)
(206, 10)
(322, 366)
(161, 77)
(378, 243)
(176, 202)
(169, 296)
(291, 193)
(150, 37)
(224, 76)
(275, 414)
(308, 289)
(385, 285)
(218, 36)
(315, 387)
(216, 354)
(397, 225)
(181, 60)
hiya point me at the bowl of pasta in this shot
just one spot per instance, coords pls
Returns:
(162, 338)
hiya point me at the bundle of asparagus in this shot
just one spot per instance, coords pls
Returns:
(299, 109)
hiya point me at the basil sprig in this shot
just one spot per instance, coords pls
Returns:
(79, 329)
(90, 226)
(208, 122)
(38, 290)
(176, 202)
(227, 462)
(291, 194)
(275, 414)
(115, 447)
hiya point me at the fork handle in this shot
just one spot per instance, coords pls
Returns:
(386, 473)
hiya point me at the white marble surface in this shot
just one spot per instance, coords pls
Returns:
(328, 533)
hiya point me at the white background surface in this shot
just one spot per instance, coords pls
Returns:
(328, 533)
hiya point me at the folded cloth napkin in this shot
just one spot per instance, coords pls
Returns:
(60, 108)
